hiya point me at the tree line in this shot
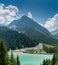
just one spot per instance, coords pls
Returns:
(6, 60)
(4, 57)
(50, 62)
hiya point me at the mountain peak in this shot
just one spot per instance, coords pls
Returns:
(25, 17)
(25, 22)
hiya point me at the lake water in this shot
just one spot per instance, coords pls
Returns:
(33, 59)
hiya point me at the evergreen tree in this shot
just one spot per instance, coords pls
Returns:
(47, 62)
(4, 59)
(12, 60)
(18, 62)
(53, 60)
(44, 63)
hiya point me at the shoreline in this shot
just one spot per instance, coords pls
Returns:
(17, 52)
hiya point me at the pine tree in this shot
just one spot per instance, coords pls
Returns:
(12, 60)
(18, 62)
(47, 62)
(44, 63)
(4, 59)
(53, 60)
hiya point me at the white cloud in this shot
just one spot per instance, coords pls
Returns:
(8, 13)
(52, 23)
(30, 15)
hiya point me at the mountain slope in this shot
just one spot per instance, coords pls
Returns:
(55, 34)
(15, 39)
(40, 36)
(24, 23)
(33, 30)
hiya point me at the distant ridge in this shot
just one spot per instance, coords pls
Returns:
(55, 33)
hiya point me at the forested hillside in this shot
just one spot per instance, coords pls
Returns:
(14, 39)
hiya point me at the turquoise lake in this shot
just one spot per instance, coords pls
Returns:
(33, 59)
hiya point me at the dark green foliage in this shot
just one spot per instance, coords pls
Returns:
(40, 36)
(12, 60)
(14, 39)
(53, 60)
(49, 49)
(46, 62)
(4, 59)
(55, 57)
(18, 62)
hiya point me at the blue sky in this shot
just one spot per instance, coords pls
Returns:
(41, 10)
